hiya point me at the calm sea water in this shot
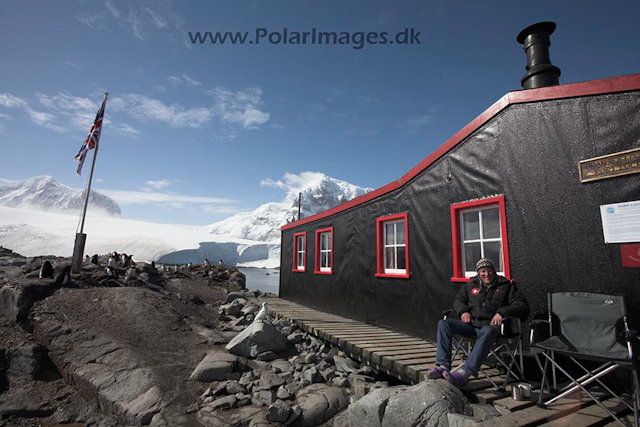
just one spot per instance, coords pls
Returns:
(257, 278)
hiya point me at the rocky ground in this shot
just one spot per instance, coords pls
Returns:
(186, 346)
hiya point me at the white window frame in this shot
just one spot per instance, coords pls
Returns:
(300, 253)
(328, 251)
(395, 246)
(481, 240)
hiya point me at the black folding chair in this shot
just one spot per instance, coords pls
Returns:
(508, 344)
(582, 327)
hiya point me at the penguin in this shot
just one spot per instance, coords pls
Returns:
(207, 263)
(87, 258)
(131, 274)
(46, 271)
(64, 278)
(111, 272)
(189, 266)
(261, 314)
(123, 259)
(153, 264)
(175, 268)
(220, 263)
(94, 259)
(112, 262)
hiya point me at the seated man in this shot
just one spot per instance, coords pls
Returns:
(482, 303)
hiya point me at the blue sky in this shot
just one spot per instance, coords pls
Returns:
(192, 131)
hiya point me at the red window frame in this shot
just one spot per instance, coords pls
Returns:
(380, 245)
(295, 268)
(317, 251)
(458, 274)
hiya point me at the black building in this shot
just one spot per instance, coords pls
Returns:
(506, 186)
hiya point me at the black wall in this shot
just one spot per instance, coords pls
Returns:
(530, 154)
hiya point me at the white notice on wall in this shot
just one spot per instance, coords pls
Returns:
(621, 222)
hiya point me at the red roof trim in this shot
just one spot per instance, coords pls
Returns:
(594, 87)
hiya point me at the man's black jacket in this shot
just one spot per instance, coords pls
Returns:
(484, 302)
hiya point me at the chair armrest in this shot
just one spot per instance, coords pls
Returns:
(510, 327)
(539, 330)
(448, 313)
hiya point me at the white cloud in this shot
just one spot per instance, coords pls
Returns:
(93, 20)
(10, 101)
(47, 120)
(191, 81)
(419, 121)
(71, 64)
(145, 198)
(149, 109)
(242, 107)
(174, 80)
(112, 8)
(6, 116)
(120, 129)
(193, 204)
(293, 183)
(158, 185)
(160, 88)
(7, 181)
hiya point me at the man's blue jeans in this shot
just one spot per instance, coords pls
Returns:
(485, 338)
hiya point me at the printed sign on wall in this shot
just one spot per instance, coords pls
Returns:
(621, 222)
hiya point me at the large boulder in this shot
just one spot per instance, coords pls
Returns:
(214, 367)
(319, 403)
(258, 338)
(425, 404)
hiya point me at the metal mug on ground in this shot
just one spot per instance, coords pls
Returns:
(516, 392)
(526, 390)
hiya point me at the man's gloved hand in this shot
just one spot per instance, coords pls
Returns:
(497, 320)
(466, 317)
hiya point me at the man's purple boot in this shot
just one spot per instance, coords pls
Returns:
(458, 378)
(436, 372)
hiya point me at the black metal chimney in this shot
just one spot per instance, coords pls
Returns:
(536, 41)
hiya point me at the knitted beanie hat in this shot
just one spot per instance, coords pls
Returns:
(484, 262)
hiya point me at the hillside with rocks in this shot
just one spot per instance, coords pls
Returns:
(127, 343)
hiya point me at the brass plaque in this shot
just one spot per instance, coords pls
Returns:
(609, 166)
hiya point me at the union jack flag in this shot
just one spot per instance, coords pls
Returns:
(92, 139)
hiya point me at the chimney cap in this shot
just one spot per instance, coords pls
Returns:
(548, 27)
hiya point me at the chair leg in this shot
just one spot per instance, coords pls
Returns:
(584, 389)
(544, 380)
(636, 396)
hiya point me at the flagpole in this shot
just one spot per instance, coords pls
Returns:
(78, 250)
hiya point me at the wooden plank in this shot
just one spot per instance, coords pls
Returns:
(351, 345)
(376, 356)
(534, 416)
(591, 416)
(372, 352)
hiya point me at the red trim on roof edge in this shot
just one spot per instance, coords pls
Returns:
(572, 90)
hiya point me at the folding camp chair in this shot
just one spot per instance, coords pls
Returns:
(508, 344)
(582, 327)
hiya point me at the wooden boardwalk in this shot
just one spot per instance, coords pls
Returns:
(408, 358)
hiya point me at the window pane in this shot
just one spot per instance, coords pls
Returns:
(490, 223)
(326, 260)
(300, 243)
(389, 232)
(471, 255)
(492, 250)
(401, 258)
(400, 233)
(323, 242)
(389, 258)
(300, 259)
(470, 221)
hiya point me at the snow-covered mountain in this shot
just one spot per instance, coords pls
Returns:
(44, 193)
(319, 193)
